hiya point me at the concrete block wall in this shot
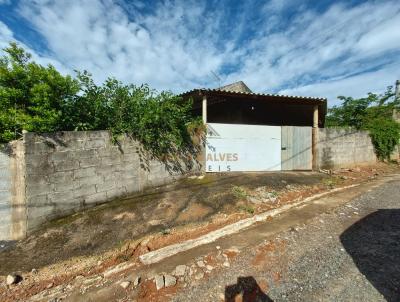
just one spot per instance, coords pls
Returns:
(344, 148)
(12, 192)
(5, 195)
(64, 172)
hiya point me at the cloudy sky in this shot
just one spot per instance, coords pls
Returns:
(312, 48)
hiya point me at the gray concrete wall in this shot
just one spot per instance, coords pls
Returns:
(5, 195)
(344, 148)
(12, 192)
(67, 171)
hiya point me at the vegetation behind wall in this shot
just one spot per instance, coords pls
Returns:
(373, 113)
(40, 99)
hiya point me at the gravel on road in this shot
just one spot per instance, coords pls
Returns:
(349, 254)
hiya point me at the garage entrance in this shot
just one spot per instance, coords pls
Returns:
(234, 147)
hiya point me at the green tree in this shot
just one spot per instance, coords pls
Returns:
(373, 113)
(31, 95)
(40, 99)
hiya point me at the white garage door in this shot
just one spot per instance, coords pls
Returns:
(243, 148)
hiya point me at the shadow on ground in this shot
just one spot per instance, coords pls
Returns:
(246, 290)
(374, 244)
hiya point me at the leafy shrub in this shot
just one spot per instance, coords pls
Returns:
(373, 113)
(385, 135)
(239, 192)
(40, 99)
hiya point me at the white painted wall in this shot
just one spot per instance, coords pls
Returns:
(232, 147)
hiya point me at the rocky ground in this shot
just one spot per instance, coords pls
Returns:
(310, 257)
(349, 254)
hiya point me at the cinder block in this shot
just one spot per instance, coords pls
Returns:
(39, 147)
(89, 162)
(105, 186)
(81, 154)
(91, 180)
(61, 177)
(84, 190)
(38, 189)
(61, 156)
(95, 143)
(84, 172)
(115, 193)
(67, 165)
(65, 186)
(110, 160)
(38, 200)
(96, 198)
(61, 197)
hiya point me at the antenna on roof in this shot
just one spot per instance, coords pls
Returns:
(217, 78)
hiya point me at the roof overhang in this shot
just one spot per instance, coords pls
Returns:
(218, 96)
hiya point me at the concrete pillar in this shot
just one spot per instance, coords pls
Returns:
(204, 109)
(315, 138)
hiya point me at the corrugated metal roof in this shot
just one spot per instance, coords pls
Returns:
(253, 94)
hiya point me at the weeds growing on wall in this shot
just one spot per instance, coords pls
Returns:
(40, 99)
(373, 113)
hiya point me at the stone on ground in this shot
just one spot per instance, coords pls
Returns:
(136, 281)
(169, 280)
(180, 270)
(159, 279)
(13, 279)
(125, 284)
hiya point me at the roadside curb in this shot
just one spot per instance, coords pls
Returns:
(170, 250)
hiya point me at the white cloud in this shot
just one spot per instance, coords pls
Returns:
(7, 36)
(159, 49)
(179, 43)
(355, 86)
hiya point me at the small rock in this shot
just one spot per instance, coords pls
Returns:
(192, 177)
(180, 270)
(50, 285)
(222, 296)
(217, 247)
(200, 177)
(159, 281)
(136, 281)
(13, 279)
(199, 276)
(201, 264)
(169, 280)
(34, 271)
(125, 284)
(209, 267)
(154, 222)
(226, 264)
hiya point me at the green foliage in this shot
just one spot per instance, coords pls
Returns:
(248, 209)
(385, 135)
(40, 99)
(239, 192)
(373, 113)
(31, 95)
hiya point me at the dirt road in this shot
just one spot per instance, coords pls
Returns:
(344, 246)
(349, 254)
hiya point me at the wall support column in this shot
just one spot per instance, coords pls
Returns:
(204, 109)
(315, 138)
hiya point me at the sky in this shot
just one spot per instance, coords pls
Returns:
(310, 48)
